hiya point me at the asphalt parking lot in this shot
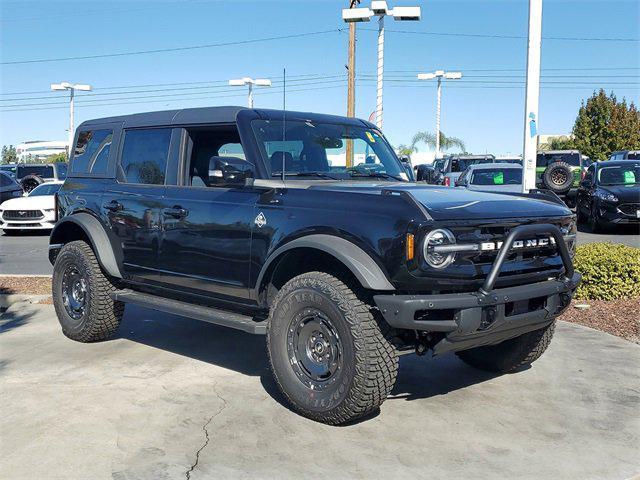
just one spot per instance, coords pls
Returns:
(26, 254)
(175, 398)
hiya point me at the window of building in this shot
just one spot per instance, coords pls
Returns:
(144, 156)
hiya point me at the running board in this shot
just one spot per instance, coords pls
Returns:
(197, 312)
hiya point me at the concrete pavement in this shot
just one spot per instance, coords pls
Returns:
(175, 398)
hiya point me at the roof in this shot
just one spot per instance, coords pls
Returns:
(556, 152)
(488, 166)
(228, 114)
(615, 163)
(471, 157)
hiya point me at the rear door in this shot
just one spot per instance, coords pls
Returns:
(134, 201)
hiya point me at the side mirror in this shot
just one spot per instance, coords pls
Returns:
(229, 171)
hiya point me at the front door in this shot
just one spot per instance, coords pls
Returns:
(207, 223)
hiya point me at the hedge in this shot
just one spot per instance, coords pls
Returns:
(609, 271)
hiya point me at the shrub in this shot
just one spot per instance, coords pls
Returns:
(609, 271)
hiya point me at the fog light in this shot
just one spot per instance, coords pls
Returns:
(438, 237)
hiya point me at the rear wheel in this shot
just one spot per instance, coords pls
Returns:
(82, 295)
(330, 356)
(512, 354)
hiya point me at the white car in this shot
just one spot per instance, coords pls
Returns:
(32, 212)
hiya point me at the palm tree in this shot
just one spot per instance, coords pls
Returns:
(429, 139)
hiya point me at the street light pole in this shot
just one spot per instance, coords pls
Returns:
(71, 87)
(532, 96)
(250, 82)
(439, 74)
(380, 10)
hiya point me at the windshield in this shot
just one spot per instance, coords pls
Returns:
(546, 159)
(497, 176)
(314, 149)
(620, 175)
(45, 189)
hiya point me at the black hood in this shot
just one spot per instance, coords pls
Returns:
(449, 203)
(625, 193)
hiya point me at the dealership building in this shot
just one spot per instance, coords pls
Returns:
(39, 149)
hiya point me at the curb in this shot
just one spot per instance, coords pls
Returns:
(6, 300)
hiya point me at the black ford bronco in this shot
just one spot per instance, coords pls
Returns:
(260, 220)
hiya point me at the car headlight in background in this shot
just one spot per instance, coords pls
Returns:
(440, 237)
(609, 197)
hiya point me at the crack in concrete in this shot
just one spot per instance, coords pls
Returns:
(206, 434)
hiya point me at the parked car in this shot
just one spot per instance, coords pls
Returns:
(494, 177)
(424, 173)
(451, 167)
(9, 188)
(9, 169)
(30, 175)
(561, 171)
(625, 155)
(36, 211)
(341, 269)
(610, 194)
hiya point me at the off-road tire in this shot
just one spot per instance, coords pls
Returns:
(550, 175)
(510, 355)
(370, 360)
(102, 314)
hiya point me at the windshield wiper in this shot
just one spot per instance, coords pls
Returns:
(378, 175)
(305, 174)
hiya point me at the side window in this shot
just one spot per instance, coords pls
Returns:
(91, 153)
(144, 156)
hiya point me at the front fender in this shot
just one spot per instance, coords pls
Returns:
(82, 226)
(364, 268)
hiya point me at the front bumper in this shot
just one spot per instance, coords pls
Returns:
(618, 213)
(487, 316)
(46, 221)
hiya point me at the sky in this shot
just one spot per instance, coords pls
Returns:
(585, 46)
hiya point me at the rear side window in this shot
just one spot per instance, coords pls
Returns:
(91, 153)
(144, 156)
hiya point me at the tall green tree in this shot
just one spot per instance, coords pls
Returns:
(9, 154)
(604, 125)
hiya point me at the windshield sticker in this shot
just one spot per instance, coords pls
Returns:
(498, 178)
(370, 137)
(629, 176)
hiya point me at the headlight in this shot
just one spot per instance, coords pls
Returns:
(437, 238)
(609, 197)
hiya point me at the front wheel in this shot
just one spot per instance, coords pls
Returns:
(329, 354)
(512, 354)
(82, 295)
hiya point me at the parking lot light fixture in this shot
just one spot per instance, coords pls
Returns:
(71, 87)
(380, 9)
(250, 82)
(439, 74)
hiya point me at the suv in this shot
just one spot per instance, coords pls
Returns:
(448, 169)
(251, 219)
(30, 175)
(561, 171)
(625, 155)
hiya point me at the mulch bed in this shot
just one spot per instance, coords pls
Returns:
(617, 317)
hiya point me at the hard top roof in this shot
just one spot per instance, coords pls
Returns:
(209, 115)
(497, 165)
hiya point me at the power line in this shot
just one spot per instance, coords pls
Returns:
(175, 49)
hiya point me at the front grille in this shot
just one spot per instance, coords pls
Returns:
(22, 215)
(629, 208)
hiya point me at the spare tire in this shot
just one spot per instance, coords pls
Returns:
(558, 177)
(30, 182)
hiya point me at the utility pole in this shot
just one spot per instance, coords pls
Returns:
(532, 96)
(71, 87)
(351, 82)
(250, 82)
(439, 74)
(380, 9)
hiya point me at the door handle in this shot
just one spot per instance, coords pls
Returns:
(175, 212)
(113, 206)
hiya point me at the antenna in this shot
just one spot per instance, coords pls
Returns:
(284, 117)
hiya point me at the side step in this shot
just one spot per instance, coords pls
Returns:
(197, 312)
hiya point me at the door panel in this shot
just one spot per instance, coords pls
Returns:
(206, 240)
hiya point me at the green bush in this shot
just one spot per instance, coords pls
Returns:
(609, 271)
